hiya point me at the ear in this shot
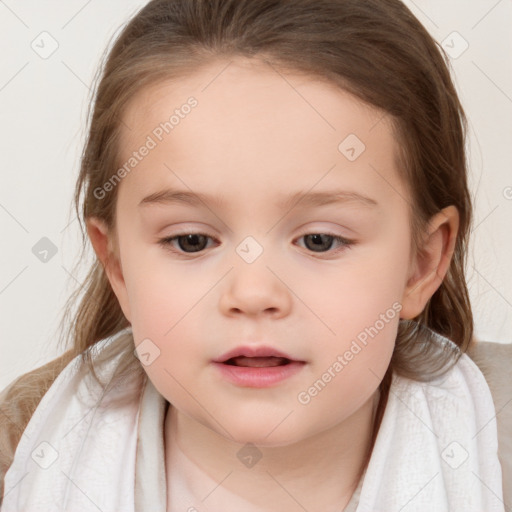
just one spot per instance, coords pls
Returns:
(430, 264)
(103, 245)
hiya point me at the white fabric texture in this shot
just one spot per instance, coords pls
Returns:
(436, 448)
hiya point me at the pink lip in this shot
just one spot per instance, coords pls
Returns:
(248, 351)
(261, 377)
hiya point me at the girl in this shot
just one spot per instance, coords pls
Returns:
(278, 317)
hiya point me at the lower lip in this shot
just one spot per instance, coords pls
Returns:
(252, 377)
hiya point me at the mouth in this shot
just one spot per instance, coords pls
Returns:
(257, 367)
(256, 357)
(257, 362)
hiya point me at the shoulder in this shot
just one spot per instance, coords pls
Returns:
(495, 362)
(18, 402)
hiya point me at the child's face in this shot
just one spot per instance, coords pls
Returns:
(253, 140)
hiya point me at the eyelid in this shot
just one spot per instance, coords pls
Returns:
(166, 241)
(346, 243)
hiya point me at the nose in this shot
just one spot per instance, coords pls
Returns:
(255, 289)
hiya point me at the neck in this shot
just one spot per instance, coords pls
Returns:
(320, 472)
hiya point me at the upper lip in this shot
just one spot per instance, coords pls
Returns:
(252, 351)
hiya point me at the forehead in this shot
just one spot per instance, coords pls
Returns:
(255, 124)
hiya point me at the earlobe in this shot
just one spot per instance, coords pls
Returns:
(431, 263)
(102, 243)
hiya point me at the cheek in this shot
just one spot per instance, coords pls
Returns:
(172, 324)
(162, 312)
(358, 294)
(359, 304)
(159, 289)
(352, 363)
(166, 309)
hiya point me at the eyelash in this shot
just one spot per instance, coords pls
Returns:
(167, 242)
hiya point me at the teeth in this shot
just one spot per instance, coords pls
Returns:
(258, 362)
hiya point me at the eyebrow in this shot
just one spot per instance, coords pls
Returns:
(304, 198)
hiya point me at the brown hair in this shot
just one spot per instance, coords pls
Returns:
(374, 49)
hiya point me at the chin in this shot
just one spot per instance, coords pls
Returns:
(263, 433)
(262, 440)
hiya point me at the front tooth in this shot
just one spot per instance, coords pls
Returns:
(258, 362)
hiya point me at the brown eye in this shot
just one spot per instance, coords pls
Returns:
(190, 243)
(323, 242)
(318, 242)
(193, 241)
(187, 243)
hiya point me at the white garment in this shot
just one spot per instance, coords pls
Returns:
(436, 448)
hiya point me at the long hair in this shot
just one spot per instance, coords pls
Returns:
(374, 49)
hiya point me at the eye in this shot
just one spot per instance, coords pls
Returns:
(185, 241)
(316, 242)
(189, 243)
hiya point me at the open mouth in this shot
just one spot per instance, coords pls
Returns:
(258, 371)
(257, 362)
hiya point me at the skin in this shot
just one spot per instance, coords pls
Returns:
(253, 138)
